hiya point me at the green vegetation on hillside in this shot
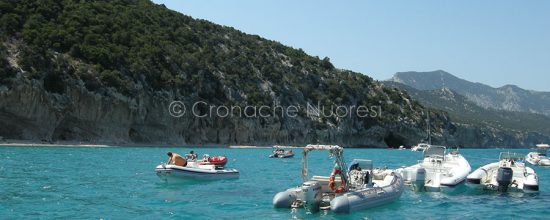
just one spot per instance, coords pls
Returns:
(135, 46)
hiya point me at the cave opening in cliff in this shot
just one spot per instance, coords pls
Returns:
(394, 140)
(135, 136)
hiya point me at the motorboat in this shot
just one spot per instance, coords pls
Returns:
(508, 174)
(196, 170)
(420, 147)
(347, 189)
(539, 157)
(437, 170)
(279, 152)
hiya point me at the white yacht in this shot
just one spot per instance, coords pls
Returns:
(358, 187)
(539, 157)
(436, 170)
(508, 174)
(420, 147)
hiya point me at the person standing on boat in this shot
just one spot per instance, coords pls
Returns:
(192, 155)
(176, 159)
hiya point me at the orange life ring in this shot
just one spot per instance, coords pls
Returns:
(332, 181)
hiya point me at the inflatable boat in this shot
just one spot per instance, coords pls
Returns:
(508, 174)
(218, 161)
(346, 190)
(278, 152)
(539, 157)
(436, 170)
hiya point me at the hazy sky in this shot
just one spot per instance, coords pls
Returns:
(494, 42)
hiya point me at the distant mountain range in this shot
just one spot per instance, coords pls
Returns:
(465, 111)
(508, 97)
(475, 103)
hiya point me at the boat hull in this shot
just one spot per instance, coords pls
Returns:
(285, 155)
(173, 171)
(369, 197)
(545, 162)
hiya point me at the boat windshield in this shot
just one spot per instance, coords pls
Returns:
(432, 150)
(511, 156)
(359, 164)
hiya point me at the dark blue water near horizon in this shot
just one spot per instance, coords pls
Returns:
(120, 183)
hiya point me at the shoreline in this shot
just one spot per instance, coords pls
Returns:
(24, 143)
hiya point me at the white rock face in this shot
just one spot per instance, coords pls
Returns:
(28, 112)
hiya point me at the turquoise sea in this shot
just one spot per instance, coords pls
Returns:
(120, 183)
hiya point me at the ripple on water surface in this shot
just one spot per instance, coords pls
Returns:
(120, 183)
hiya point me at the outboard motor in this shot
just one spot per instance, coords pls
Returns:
(415, 176)
(311, 195)
(420, 176)
(504, 178)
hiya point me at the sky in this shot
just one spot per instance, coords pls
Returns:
(495, 42)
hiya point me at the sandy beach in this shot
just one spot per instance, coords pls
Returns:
(24, 143)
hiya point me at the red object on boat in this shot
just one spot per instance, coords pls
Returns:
(218, 160)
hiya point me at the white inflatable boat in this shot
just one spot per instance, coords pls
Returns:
(436, 170)
(539, 157)
(508, 174)
(195, 170)
(357, 188)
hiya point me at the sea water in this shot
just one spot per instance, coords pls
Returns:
(120, 183)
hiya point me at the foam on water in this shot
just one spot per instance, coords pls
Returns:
(120, 183)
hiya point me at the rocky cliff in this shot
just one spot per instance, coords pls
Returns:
(107, 72)
(29, 112)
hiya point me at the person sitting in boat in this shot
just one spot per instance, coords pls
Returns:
(192, 155)
(176, 159)
(205, 157)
